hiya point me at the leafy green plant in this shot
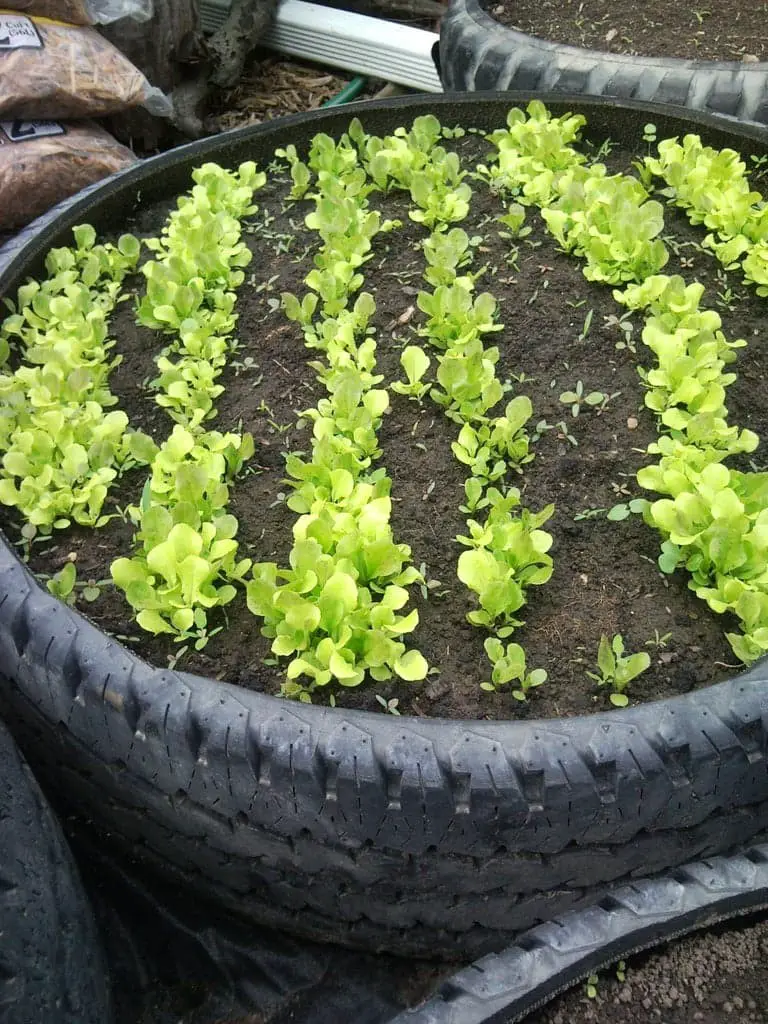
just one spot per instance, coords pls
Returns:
(509, 666)
(514, 220)
(186, 562)
(617, 670)
(415, 362)
(508, 554)
(62, 584)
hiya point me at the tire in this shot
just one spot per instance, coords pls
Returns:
(503, 988)
(51, 967)
(478, 53)
(418, 836)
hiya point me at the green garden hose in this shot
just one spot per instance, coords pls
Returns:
(350, 91)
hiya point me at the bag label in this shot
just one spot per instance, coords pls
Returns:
(18, 33)
(23, 131)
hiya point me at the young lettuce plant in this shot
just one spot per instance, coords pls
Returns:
(617, 670)
(508, 554)
(509, 666)
(415, 362)
(186, 559)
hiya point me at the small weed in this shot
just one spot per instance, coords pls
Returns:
(658, 642)
(390, 706)
(576, 398)
(587, 325)
(589, 513)
(624, 510)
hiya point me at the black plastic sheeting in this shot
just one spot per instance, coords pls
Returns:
(173, 960)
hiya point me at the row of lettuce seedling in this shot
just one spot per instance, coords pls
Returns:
(334, 611)
(507, 549)
(63, 443)
(713, 519)
(185, 560)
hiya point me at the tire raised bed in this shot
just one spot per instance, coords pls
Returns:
(414, 835)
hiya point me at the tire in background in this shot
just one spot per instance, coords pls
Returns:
(478, 54)
(51, 969)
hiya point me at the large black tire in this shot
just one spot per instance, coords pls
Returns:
(413, 835)
(51, 968)
(478, 53)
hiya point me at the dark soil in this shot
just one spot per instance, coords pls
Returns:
(726, 30)
(605, 580)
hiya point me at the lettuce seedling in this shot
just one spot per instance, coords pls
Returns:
(180, 574)
(514, 220)
(446, 253)
(467, 375)
(617, 670)
(301, 175)
(454, 316)
(508, 554)
(415, 362)
(531, 152)
(508, 666)
(62, 585)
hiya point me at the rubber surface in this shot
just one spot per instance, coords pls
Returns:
(478, 53)
(503, 988)
(51, 967)
(442, 838)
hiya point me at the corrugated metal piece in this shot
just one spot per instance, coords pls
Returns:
(340, 39)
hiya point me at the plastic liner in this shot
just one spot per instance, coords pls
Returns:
(49, 69)
(43, 162)
(84, 12)
(175, 960)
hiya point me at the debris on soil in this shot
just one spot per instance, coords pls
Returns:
(728, 30)
(274, 86)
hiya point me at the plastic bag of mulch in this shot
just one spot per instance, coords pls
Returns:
(43, 162)
(52, 70)
(84, 12)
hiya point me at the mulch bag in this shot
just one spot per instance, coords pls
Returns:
(43, 162)
(84, 12)
(52, 70)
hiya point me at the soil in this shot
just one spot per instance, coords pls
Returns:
(606, 580)
(726, 30)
